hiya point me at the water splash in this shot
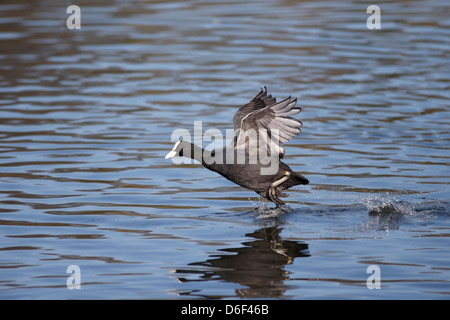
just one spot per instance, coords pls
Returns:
(386, 205)
(262, 210)
(387, 212)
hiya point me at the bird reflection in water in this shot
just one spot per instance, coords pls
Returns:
(258, 265)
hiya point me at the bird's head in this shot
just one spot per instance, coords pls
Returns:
(176, 151)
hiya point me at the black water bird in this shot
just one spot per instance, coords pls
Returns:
(252, 160)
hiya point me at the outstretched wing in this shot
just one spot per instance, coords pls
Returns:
(260, 101)
(275, 121)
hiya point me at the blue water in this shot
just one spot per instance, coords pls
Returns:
(86, 118)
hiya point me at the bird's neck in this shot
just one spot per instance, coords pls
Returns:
(197, 153)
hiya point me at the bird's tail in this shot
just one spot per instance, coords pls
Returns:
(298, 178)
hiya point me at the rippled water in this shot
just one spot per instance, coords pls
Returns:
(86, 117)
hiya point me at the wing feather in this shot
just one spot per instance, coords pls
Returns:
(264, 114)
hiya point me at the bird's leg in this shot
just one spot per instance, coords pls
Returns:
(286, 176)
(272, 193)
(273, 189)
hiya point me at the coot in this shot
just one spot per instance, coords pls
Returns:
(252, 160)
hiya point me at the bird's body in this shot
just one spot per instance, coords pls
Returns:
(252, 160)
(266, 185)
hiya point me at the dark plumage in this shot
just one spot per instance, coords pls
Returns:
(252, 160)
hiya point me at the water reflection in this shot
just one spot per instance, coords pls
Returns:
(258, 266)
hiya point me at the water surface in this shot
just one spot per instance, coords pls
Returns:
(86, 117)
